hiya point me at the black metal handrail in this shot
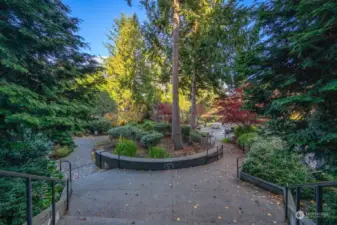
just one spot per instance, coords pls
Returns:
(238, 166)
(319, 194)
(70, 173)
(29, 178)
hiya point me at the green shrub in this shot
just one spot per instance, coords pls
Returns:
(185, 130)
(238, 131)
(247, 139)
(268, 160)
(128, 132)
(204, 134)
(25, 152)
(100, 125)
(60, 151)
(226, 140)
(163, 128)
(141, 133)
(126, 147)
(157, 152)
(151, 139)
(63, 137)
(148, 125)
(195, 136)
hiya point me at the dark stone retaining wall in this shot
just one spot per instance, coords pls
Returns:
(107, 160)
(274, 188)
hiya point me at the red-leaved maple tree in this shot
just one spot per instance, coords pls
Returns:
(164, 111)
(229, 110)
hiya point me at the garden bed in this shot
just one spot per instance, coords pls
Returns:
(166, 143)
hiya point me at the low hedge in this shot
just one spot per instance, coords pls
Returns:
(195, 136)
(152, 139)
(163, 128)
(128, 132)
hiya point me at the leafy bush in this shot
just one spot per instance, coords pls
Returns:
(60, 151)
(128, 132)
(247, 139)
(185, 130)
(100, 125)
(151, 139)
(195, 136)
(163, 128)
(25, 153)
(226, 140)
(204, 134)
(268, 160)
(62, 137)
(126, 147)
(158, 152)
(141, 133)
(238, 131)
(148, 125)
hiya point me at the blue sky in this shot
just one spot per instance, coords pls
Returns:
(97, 18)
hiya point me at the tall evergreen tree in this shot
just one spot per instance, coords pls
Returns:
(292, 72)
(41, 64)
(129, 81)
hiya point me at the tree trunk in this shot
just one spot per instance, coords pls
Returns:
(176, 131)
(193, 102)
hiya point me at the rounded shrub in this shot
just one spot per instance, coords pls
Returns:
(247, 138)
(238, 131)
(100, 125)
(128, 132)
(268, 160)
(126, 147)
(185, 130)
(163, 128)
(141, 133)
(195, 136)
(148, 125)
(158, 152)
(151, 139)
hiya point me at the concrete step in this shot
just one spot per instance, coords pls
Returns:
(75, 220)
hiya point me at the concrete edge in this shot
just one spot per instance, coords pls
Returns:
(271, 187)
(107, 160)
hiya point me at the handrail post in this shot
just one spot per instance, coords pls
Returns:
(286, 202)
(68, 194)
(298, 206)
(319, 205)
(53, 203)
(237, 167)
(29, 201)
(119, 159)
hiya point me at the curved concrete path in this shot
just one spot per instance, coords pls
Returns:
(202, 195)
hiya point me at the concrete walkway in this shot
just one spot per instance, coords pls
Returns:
(202, 195)
(80, 158)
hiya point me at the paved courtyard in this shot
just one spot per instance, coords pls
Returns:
(202, 195)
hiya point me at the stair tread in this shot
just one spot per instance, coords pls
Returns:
(78, 220)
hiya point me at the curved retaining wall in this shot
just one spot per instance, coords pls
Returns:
(107, 160)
